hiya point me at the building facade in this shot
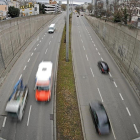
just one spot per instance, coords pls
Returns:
(3, 9)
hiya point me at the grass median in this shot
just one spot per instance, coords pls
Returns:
(68, 121)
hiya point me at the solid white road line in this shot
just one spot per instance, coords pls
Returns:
(24, 68)
(128, 111)
(20, 76)
(34, 49)
(92, 72)
(121, 96)
(29, 60)
(102, 59)
(46, 51)
(83, 47)
(115, 84)
(32, 54)
(112, 129)
(100, 94)
(136, 129)
(4, 121)
(110, 74)
(87, 57)
(98, 53)
(29, 115)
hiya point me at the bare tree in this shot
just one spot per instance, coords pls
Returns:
(90, 8)
(63, 7)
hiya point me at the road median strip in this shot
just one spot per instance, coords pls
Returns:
(68, 123)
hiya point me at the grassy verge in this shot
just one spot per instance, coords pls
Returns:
(67, 113)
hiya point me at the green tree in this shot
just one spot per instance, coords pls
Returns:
(124, 18)
(13, 12)
(117, 16)
(41, 8)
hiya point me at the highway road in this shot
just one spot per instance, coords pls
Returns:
(36, 123)
(113, 90)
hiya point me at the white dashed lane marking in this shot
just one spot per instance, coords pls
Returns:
(29, 115)
(4, 121)
(32, 54)
(87, 57)
(20, 77)
(136, 129)
(121, 96)
(37, 44)
(100, 94)
(110, 74)
(98, 53)
(83, 47)
(29, 60)
(24, 68)
(102, 59)
(128, 111)
(115, 84)
(92, 72)
(46, 51)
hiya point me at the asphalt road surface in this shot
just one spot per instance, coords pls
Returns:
(36, 123)
(112, 89)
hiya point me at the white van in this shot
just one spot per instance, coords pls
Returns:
(51, 28)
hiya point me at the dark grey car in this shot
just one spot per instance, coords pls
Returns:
(100, 117)
(104, 68)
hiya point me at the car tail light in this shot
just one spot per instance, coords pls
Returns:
(103, 70)
(99, 132)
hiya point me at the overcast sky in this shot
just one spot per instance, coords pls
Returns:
(65, 1)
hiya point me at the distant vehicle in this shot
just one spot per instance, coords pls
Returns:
(104, 68)
(17, 101)
(77, 15)
(82, 15)
(51, 28)
(44, 81)
(100, 118)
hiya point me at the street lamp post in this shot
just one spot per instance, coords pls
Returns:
(67, 33)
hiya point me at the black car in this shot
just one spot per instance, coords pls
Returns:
(77, 15)
(103, 67)
(100, 118)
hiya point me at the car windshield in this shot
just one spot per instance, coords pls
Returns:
(104, 66)
(50, 28)
(103, 120)
(42, 88)
(12, 114)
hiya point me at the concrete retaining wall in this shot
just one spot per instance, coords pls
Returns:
(123, 43)
(14, 33)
